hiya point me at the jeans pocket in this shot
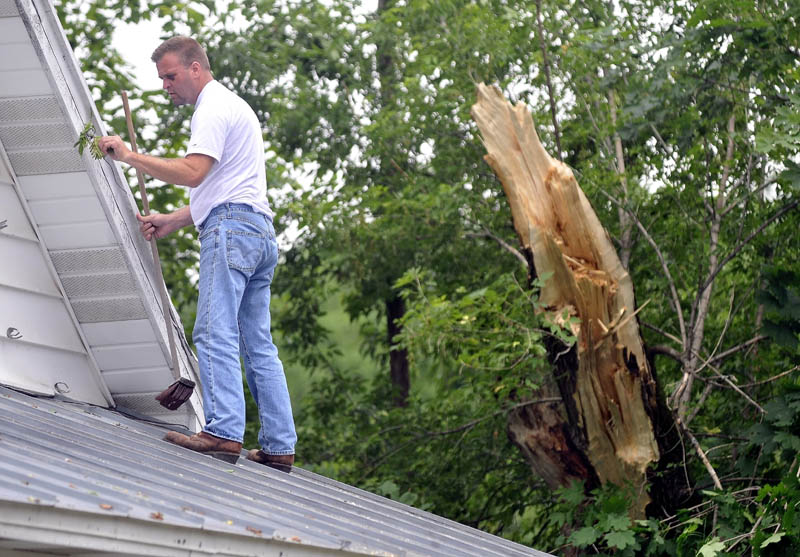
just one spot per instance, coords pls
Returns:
(244, 250)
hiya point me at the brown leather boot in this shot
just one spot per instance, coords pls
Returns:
(282, 462)
(223, 449)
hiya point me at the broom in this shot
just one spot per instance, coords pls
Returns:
(179, 392)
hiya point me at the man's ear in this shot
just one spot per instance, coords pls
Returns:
(195, 67)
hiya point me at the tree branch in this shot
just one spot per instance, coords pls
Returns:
(729, 351)
(785, 209)
(773, 378)
(732, 384)
(699, 405)
(724, 327)
(464, 427)
(662, 332)
(733, 204)
(666, 351)
(667, 148)
(505, 245)
(546, 65)
(700, 453)
(475, 422)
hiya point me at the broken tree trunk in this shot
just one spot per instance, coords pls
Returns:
(606, 429)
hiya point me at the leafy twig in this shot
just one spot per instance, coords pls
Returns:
(88, 137)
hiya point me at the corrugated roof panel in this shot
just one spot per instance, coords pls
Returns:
(76, 457)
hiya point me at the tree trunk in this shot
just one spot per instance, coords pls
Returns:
(398, 357)
(611, 421)
(395, 308)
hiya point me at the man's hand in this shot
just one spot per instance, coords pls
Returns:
(159, 225)
(114, 147)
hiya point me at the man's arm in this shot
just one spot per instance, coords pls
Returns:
(159, 225)
(187, 171)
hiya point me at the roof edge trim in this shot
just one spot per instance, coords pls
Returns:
(115, 532)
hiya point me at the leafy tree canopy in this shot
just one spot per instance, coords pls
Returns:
(680, 120)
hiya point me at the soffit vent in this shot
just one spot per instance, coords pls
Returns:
(50, 161)
(28, 109)
(8, 8)
(144, 403)
(98, 310)
(88, 260)
(35, 135)
(106, 284)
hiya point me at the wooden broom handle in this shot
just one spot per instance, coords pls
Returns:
(156, 260)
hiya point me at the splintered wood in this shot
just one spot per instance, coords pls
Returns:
(611, 387)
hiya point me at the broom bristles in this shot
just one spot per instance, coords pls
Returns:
(176, 394)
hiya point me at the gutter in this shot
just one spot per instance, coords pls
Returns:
(39, 526)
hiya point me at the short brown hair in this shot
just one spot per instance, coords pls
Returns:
(187, 49)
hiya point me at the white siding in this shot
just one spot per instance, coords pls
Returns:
(81, 285)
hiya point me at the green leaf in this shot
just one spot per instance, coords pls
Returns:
(712, 548)
(615, 521)
(774, 538)
(585, 536)
(572, 495)
(791, 176)
(620, 540)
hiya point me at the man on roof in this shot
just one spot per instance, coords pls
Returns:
(224, 166)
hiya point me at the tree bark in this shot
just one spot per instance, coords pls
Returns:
(395, 307)
(398, 357)
(611, 420)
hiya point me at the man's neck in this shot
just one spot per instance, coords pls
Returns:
(202, 85)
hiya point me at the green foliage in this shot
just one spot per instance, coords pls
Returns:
(374, 161)
(779, 526)
(599, 524)
(446, 451)
(781, 299)
(87, 138)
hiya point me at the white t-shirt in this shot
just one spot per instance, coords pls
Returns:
(225, 128)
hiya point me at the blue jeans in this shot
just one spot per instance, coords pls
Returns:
(238, 255)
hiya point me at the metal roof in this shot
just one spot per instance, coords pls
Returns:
(79, 302)
(78, 479)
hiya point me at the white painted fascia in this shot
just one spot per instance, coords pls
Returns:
(88, 532)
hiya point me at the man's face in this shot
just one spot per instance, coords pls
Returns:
(177, 79)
